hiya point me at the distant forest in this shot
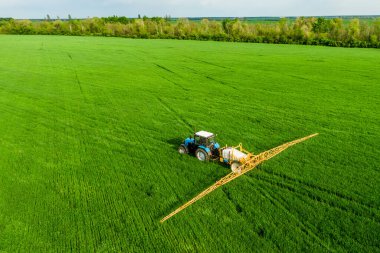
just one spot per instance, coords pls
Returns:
(328, 31)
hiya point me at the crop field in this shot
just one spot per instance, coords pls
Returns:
(89, 130)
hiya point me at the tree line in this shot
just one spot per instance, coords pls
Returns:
(303, 30)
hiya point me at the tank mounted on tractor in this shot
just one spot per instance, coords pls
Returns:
(203, 145)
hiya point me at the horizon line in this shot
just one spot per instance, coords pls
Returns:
(202, 17)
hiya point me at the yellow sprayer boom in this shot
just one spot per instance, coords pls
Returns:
(244, 168)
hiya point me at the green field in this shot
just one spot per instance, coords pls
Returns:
(89, 130)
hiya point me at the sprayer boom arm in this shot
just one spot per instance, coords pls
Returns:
(244, 168)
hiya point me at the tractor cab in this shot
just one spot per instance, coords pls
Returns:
(202, 145)
(204, 138)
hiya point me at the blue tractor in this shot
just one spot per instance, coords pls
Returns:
(202, 145)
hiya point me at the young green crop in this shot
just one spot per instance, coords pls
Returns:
(89, 130)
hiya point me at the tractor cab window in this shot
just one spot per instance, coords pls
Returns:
(204, 141)
(200, 140)
(210, 141)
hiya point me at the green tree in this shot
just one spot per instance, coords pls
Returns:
(337, 31)
(226, 25)
(23, 27)
(354, 29)
(182, 28)
(236, 29)
(204, 27)
(376, 27)
(283, 30)
(58, 27)
(321, 25)
(302, 29)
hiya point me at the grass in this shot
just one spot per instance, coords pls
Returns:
(89, 129)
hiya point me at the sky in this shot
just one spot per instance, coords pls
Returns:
(186, 8)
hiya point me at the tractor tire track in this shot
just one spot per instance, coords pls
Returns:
(210, 78)
(169, 80)
(306, 228)
(301, 78)
(238, 207)
(338, 240)
(319, 188)
(206, 62)
(164, 68)
(240, 215)
(120, 180)
(76, 77)
(239, 210)
(303, 193)
(177, 115)
(221, 82)
(78, 82)
(132, 139)
(175, 83)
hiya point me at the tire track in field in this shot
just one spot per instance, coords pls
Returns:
(306, 228)
(76, 75)
(164, 68)
(301, 78)
(210, 78)
(75, 133)
(238, 207)
(175, 83)
(239, 210)
(311, 227)
(162, 176)
(137, 217)
(177, 115)
(196, 73)
(222, 82)
(206, 62)
(303, 193)
(169, 80)
(305, 197)
(319, 188)
(84, 128)
(240, 217)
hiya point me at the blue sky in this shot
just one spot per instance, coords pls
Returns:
(185, 8)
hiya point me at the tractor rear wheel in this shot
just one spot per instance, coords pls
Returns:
(235, 167)
(182, 149)
(202, 155)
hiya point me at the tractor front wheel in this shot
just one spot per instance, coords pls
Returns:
(235, 167)
(202, 155)
(182, 149)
